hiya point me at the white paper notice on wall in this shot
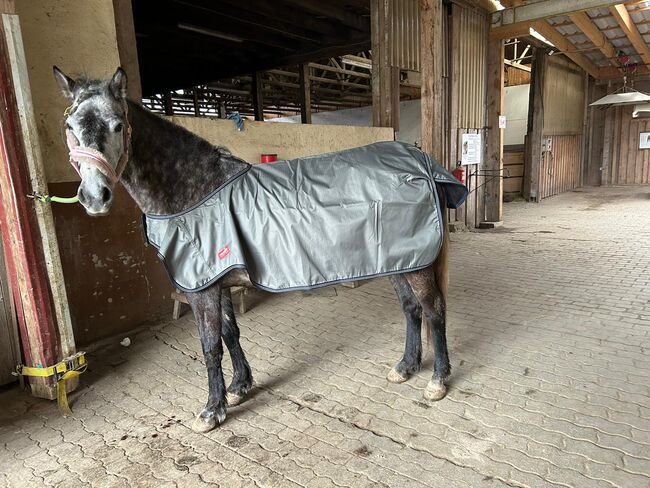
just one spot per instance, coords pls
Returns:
(471, 150)
(502, 121)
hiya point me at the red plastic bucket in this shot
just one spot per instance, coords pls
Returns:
(268, 158)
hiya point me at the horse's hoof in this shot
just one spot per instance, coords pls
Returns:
(435, 390)
(234, 399)
(395, 376)
(206, 421)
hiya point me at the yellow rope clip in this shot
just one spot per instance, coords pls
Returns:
(62, 371)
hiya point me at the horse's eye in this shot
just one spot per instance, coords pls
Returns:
(117, 128)
(68, 126)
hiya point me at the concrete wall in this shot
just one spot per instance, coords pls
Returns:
(410, 119)
(78, 37)
(286, 140)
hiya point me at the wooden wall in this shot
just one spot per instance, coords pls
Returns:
(467, 102)
(560, 168)
(564, 118)
(513, 172)
(623, 163)
(516, 76)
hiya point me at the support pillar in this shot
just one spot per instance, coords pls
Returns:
(533, 154)
(431, 57)
(495, 108)
(305, 93)
(385, 77)
(258, 98)
(22, 240)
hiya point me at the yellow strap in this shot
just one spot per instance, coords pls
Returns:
(62, 371)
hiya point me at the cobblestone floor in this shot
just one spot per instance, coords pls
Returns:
(549, 331)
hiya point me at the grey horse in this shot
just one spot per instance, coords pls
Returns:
(167, 169)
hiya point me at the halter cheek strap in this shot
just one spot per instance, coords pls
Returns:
(88, 155)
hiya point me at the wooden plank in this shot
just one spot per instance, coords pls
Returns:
(305, 93)
(127, 46)
(535, 127)
(454, 76)
(608, 133)
(258, 97)
(544, 9)
(38, 181)
(431, 75)
(20, 237)
(9, 343)
(385, 81)
(494, 153)
(521, 29)
(622, 16)
(594, 34)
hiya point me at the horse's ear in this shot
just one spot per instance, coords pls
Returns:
(118, 83)
(66, 83)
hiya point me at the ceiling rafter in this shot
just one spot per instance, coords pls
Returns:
(566, 47)
(630, 29)
(589, 29)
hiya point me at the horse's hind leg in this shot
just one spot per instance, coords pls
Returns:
(426, 289)
(410, 362)
(242, 378)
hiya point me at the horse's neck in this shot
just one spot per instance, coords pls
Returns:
(170, 168)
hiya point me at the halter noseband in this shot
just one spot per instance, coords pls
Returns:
(88, 155)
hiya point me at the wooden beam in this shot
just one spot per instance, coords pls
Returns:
(305, 94)
(25, 261)
(385, 78)
(38, 181)
(431, 57)
(520, 29)
(593, 33)
(533, 152)
(544, 9)
(566, 47)
(127, 47)
(624, 19)
(495, 108)
(257, 94)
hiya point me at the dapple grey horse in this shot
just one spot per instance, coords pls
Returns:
(167, 169)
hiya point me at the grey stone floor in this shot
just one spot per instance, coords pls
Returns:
(549, 333)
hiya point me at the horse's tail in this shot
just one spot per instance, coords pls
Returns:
(441, 264)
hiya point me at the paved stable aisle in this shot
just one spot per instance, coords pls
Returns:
(549, 328)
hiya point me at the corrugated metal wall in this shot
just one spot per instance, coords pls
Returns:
(405, 34)
(468, 84)
(472, 58)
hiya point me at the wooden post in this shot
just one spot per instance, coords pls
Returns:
(169, 107)
(431, 75)
(195, 99)
(385, 77)
(533, 156)
(127, 47)
(305, 93)
(495, 108)
(258, 99)
(18, 219)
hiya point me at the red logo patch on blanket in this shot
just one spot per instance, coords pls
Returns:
(223, 252)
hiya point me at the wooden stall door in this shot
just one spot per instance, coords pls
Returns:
(560, 167)
(9, 353)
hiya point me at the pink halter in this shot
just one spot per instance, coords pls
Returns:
(79, 154)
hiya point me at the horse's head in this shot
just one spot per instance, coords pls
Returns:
(98, 135)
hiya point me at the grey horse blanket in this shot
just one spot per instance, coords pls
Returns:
(314, 221)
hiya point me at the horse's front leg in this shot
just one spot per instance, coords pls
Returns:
(206, 306)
